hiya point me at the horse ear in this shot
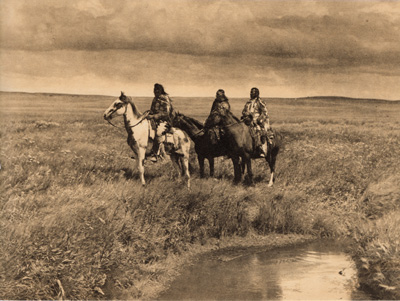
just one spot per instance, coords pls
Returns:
(122, 97)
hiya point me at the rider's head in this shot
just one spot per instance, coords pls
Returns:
(158, 90)
(254, 93)
(221, 95)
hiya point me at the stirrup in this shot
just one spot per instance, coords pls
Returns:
(178, 151)
(261, 152)
(152, 158)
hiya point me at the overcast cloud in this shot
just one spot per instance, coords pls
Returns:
(286, 48)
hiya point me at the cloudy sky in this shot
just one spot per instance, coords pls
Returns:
(194, 47)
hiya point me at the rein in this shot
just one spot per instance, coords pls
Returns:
(118, 127)
(232, 124)
(198, 133)
(143, 117)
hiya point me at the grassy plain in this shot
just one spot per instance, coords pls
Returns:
(76, 223)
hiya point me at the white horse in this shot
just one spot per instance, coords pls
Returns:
(141, 137)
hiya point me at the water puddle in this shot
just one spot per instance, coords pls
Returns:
(318, 270)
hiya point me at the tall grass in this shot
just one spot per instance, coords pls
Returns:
(78, 225)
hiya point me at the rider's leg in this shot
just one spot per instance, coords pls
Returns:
(158, 139)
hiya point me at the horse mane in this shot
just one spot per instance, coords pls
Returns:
(230, 115)
(192, 121)
(135, 109)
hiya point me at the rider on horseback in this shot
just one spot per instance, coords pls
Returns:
(256, 113)
(221, 102)
(161, 110)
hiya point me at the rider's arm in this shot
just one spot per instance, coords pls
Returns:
(262, 110)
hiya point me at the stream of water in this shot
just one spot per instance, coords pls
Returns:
(313, 271)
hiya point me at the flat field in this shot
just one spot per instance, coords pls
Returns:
(77, 224)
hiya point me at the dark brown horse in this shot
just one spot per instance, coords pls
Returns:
(205, 146)
(239, 142)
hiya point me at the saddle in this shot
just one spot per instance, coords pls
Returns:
(259, 136)
(215, 133)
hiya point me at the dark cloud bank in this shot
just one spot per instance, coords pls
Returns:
(273, 38)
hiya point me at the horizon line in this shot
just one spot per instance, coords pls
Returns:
(181, 96)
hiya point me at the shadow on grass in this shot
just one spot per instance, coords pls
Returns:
(131, 174)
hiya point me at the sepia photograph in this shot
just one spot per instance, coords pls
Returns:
(200, 150)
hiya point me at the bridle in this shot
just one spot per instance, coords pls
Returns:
(143, 117)
(112, 112)
(118, 127)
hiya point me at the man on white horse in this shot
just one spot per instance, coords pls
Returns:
(161, 110)
(255, 110)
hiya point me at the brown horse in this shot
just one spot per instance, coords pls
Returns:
(240, 143)
(205, 146)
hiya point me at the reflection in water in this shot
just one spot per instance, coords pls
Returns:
(313, 271)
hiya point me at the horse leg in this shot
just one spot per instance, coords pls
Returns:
(201, 165)
(249, 169)
(237, 170)
(243, 166)
(161, 151)
(140, 162)
(211, 164)
(176, 163)
(271, 159)
(140, 154)
(185, 170)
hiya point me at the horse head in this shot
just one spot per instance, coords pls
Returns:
(176, 119)
(118, 107)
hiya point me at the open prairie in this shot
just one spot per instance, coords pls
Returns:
(76, 223)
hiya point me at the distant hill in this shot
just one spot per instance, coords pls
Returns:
(308, 98)
(335, 98)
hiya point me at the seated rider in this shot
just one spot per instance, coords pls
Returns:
(256, 110)
(220, 102)
(161, 110)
